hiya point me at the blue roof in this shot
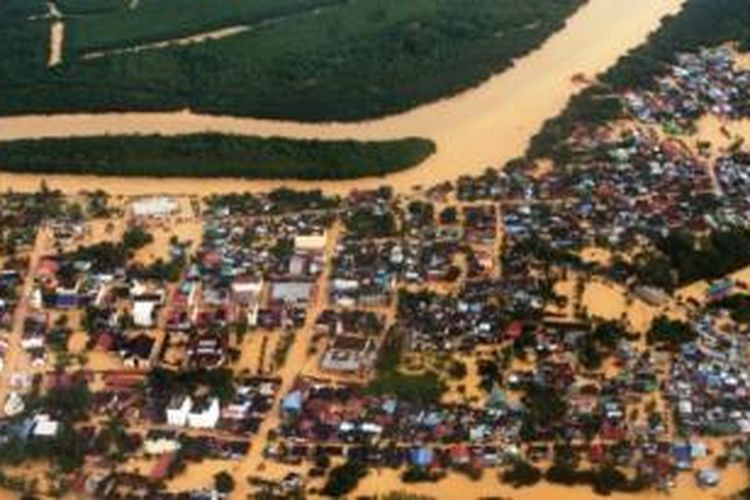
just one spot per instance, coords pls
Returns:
(292, 402)
(389, 406)
(421, 457)
(681, 452)
(66, 300)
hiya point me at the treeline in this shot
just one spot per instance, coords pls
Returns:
(350, 62)
(213, 155)
(701, 23)
(682, 258)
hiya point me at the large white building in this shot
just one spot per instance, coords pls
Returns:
(155, 206)
(205, 415)
(184, 412)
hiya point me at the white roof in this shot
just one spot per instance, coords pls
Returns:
(154, 206)
(45, 427)
(143, 313)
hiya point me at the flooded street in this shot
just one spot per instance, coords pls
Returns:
(484, 126)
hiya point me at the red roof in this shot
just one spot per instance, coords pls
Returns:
(105, 342)
(162, 466)
(514, 330)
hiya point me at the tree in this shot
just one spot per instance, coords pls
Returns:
(521, 474)
(224, 482)
(457, 370)
(136, 238)
(670, 332)
(344, 478)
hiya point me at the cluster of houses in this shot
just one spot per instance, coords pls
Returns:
(320, 414)
(257, 270)
(708, 383)
(10, 280)
(733, 176)
(698, 83)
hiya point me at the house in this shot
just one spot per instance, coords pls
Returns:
(246, 293)
(161, 468)
(44, 426)
(707, 478)
(204, 414)
(143, 314)
(145, 306)
(160, 442)
(206, 351)
(310, 243)
(137, 352)
(292, 292)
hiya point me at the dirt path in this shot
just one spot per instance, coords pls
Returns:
(56, 39)
(484, 126)
(56, 35)
(199, 38)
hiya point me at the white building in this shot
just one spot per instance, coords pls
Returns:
(44, 426)
(143, 313)
(178, 410)
(155, 206)
(184, 412)
(205, 415)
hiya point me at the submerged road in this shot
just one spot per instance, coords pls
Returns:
(484, 126)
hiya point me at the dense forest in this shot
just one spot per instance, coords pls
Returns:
(211, 155)
(349, 61)
(110, 24)
(701, 23)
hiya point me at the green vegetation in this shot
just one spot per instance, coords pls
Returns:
(592, 348)
(219, 382)
(604, 481)
(110, 24)
(738, 306)
(669, 332)
(22, 8)
(682, 258)
(521, 475)
(422, 388)
(66, 449)
(364, 222)
(212, 155)
(687, 31)
(545, 411)
(349, 61)
(224, 482)
(344, 478)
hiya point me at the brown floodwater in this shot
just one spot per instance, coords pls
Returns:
(484, 126)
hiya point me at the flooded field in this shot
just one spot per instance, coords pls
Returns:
(485, 126)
